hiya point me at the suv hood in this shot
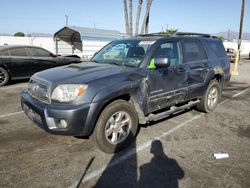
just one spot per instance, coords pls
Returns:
(80, 73)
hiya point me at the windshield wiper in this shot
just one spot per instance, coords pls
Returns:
(113, 63)
(95, 61)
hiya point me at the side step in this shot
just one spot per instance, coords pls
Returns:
(173, 110)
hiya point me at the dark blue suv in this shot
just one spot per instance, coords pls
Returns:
(128, 82)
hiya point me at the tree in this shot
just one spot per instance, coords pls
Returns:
(130, 18)
(126, 16)
(221, 38)
(19, 34)
(138, 16)
(169, 32)
(144, 28)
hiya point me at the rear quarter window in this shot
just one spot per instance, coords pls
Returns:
(217, 48)
(4, 53)
(18, 52)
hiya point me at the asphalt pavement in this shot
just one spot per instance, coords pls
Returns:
(175, 152)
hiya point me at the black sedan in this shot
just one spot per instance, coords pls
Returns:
(20, 62)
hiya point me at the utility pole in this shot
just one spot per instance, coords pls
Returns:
(235, 72)
(228, 35)
(66, 19)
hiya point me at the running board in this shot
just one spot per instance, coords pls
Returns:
(173, 110)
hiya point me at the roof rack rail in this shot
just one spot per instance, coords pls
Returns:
(151, 34)
(192, 34)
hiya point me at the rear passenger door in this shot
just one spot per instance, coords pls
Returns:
(20, 63)
(196, 61)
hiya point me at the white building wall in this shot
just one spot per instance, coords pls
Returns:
(89, 47)
(44, 42)
(245, 46)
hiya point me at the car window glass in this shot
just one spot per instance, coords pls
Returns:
(18, 52)
(193, 52)
(123, 52)
(37, 52)
(217, 48)
(4, 53)
(171, 51)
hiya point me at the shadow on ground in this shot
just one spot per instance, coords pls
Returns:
(161, 171)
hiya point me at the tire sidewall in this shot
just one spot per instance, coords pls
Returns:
(99, 133)
(212, 85)
(7, 77)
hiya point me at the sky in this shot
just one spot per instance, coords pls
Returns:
(48, 16)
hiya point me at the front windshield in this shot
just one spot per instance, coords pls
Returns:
(123, 52)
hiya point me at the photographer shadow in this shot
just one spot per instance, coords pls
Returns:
(161, 171)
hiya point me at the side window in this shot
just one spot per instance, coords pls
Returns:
(4, 53)
(171, 51)
(193, 52)
(217, 48)
(117, 52)
(37, 52)
(18, 52)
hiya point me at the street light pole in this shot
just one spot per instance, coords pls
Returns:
(67, 18)
(235, 71)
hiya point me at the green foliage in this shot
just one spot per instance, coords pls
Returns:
(221, 38)
(19, 34)
(169, 32)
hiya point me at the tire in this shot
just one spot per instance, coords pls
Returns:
(4, 77)
(116, 127)
(211, 98)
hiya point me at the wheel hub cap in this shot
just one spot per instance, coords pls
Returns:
(212, 97)
(118, 127)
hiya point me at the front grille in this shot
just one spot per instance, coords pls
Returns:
(38, 91)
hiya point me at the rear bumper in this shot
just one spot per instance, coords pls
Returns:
(80, 119)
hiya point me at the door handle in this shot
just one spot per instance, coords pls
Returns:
(180, 69)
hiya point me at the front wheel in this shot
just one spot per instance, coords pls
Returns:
(211, 98)
(116, 127)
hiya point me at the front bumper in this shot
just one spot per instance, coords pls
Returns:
(226, 80)
(80, 119)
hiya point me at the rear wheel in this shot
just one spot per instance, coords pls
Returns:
(4, 77)
(211, 98)
(116, 127)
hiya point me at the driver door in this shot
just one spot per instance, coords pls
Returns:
(167, 85)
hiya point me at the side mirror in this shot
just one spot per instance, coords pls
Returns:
(53, 55)
(161, 62)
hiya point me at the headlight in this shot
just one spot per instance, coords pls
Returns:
(68, 92)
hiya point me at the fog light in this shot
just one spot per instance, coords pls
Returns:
(63, 124)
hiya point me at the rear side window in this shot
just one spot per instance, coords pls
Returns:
(37, 52)
(217, 48)
(4, 53)
(18, 52)
(193, 52)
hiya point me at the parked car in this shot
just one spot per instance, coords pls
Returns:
(156, 76)
(19, 62)
(231, 53)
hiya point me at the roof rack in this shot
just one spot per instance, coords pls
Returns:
(178, 34)
(192, 34)
(151, 34)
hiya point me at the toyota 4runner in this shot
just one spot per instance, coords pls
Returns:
(128, 82)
